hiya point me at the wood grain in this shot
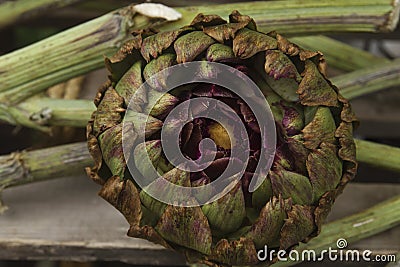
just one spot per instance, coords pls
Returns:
(65, 219)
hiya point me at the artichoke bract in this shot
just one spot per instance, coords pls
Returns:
(314, 155)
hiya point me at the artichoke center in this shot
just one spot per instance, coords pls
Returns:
(220, 136)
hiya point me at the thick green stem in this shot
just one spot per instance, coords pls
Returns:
(368, 80)
(307, 17)
(43, 164)
(78, 50)
(32, 69)
(369, 222)
(12, 11)
(382, 156)
(339, 54)
(41, 112)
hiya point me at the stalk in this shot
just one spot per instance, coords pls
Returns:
(383, 156)
(369, 222)
(43, 164)
(12, 11)
(32, 69)
(295, 17)
(368, 80)
(71, 112)
(41, 112)
(76, 51)
(339, 54)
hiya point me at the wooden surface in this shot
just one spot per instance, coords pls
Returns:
(65, 219)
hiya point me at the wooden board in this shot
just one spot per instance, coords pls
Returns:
(65, 219)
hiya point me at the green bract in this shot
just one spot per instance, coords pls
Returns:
(314, 160)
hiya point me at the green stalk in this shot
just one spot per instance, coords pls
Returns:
(32, 69)
(339, 54)
(368, 80)
(296, 17)
(76, 51)
(369, 222)
(12, 11)
(40, 112)
(43, 164)
(382, 156)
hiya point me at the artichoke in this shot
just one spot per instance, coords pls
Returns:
(314, 151)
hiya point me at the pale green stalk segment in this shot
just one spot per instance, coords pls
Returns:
(41, 112)
(78, 50)
(35, 86)
(43, 164)
(339, 54)
(368, 80)
(72, 112)
(379, 155)
(292, 17)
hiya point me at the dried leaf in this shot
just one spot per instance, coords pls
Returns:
(108, 113)
(201, 21)
(291, 185)
(236, 252)
(219, 52)
(320, 129)
(189, 46)
(266, 229)
(247, 43)
(224, 32)
(314, 89)
(298, 226)
(186, 226)
(155, 44)
(121, 61)
(324, 177)
(278, 65)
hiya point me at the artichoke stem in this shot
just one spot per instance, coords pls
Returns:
(379, 155)
(73, 52)
(43, 164)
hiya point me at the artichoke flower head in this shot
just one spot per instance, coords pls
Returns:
(314, 151)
